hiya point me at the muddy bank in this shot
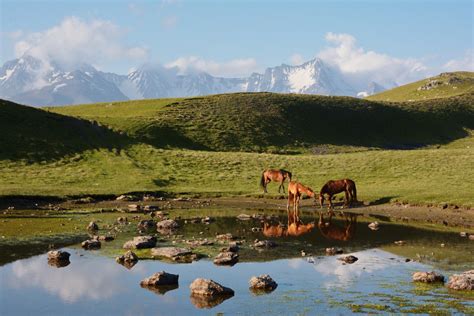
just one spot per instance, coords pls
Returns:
(447, 215)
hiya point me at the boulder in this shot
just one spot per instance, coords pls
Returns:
(105, 238)
(233, 247)
(160, 278)
(262, 283)
(140, 242)
(58, 255)
(92, 226)
(134, 208)
(210, 288)
(146, 224)
(374, 226)
(174, 253)
(226, 258)
(264, 244)
(348, 259)
(128, 257)
(427, 277)
(333, 251)
(91, 244)
(167, 225)
(463, 281)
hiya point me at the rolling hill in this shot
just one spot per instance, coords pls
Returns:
(445, 85)
(256, 122)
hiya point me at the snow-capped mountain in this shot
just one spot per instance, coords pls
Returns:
(30, 81)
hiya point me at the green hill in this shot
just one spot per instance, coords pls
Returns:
(445, 85)
(283, 122)
(34, 134)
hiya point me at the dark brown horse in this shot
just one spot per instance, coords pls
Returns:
(337, 186)
(274, 175)
(335, 232)
(295, 191)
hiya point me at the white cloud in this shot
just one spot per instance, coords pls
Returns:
(169, 22)
(296, 59)
(465, 63)
(366, 65)
(76, 41)
(231, 68)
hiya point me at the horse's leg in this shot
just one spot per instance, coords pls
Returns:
(346, 199)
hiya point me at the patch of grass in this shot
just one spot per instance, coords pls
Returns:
(449, 84)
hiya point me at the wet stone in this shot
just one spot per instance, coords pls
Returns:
(226, 258)
(348, 259)
(174, 253)
(160, 278)
(58, 255)
(91, 244)
(128, 257)
(262, 283)
(463, 281)
(427, 277)
(207, 287)
(334, 251)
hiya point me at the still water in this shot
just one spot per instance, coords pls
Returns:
(380, 281)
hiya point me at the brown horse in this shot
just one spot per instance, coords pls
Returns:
(337, 186)
(295, 191)
(274, 175)
(334, 232)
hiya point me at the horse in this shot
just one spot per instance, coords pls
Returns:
(295, 191)
(337, 186)
(274, 175)
(334, 232)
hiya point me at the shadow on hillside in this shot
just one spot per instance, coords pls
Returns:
(35, 135)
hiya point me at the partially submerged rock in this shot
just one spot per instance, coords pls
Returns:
(262, 283)
(140, 242)
(264, 244)
(348, 259)
(374, 226)
(334, 251)
(58, 255)
(91, 244)
(207, 287)
(226, 258)
(127, 259)
(174, 253)
(92, 226)
(427, 277)
(462, 281)
(160, 278)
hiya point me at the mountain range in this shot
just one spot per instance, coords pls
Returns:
(28, 80)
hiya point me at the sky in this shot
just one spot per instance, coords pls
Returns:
(401, 40)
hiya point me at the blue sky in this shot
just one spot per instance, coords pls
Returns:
(234, 38)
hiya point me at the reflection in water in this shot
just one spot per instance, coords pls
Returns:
(201, 301)
(58, 263)
(333, 231)
(160, 289)
(294, 228)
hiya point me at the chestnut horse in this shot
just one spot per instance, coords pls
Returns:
(337, 186)
(334, 232)
(274, 175)
(295, 191)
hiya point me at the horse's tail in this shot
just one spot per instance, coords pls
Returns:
(289, 175)
(354, 192)
(262, 180)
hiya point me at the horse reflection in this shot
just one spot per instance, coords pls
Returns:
(294, 228)
(335, 232)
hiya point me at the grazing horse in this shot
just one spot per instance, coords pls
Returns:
(295, 191)
(334, 232)
(274, 175)
(337, 186)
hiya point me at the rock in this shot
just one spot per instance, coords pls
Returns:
(227, 236)
(348, 259)
(105, 238)
(264, 244)
(374, 226)
(226, 258)
(160, 278)
(427, 277)
(210, 288)
(463, 281)
(244, 217)
(140, 242)
(134, 208)
(129, 256)
(463, 234)
(58, 255)
(206, 220)
(150, 208)
(92, 226)
(333, 251)
(174, 253)
(262, 283)
(122, 220)
(146, 224)
(471, 237)
(91, 244)
(233, 247)
(256, 229)
(399, 242)
(167, 225)
(125, 197)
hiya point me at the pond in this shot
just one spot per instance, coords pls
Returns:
(309, 281)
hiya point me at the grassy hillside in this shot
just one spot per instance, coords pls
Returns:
(33, 134)
(443, 86)
(282, 122)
